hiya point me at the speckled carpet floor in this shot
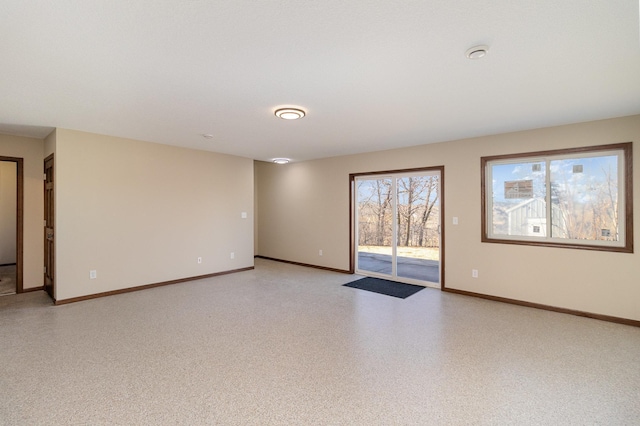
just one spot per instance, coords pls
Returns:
(288, 345)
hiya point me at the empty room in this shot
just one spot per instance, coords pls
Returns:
(298, 212)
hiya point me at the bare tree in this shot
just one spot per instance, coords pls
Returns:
(416, 203)
(383, 191)
(587, 210)
(410, 188)
(374, 203)
(431, 186)
(612, 192)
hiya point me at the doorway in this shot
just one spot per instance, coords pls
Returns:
(11, 219)
(397, 225)
(49, 225)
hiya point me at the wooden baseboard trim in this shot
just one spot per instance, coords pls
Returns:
(325, 268)
(147, 286)
(600, 317)
(28, 290)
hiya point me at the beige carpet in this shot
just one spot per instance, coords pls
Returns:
(7, 280)
(288, 345)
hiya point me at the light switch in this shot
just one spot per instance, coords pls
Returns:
(243, 215)
(455, 220)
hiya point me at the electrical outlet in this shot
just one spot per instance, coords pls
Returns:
(320, 252)
(474, 273)
(233, 255)
(199, 260)
(93, 274)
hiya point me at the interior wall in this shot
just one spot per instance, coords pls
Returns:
(140, 213)
(30, 150)
(8, 218)
(49, 146)
(304, 207)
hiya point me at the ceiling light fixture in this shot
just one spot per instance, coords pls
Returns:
(290, 113)
(207, 136)
(281, 160)
(477, 52)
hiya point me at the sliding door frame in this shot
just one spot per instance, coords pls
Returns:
(352, 213)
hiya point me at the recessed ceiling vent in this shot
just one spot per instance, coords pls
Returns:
(477, 52)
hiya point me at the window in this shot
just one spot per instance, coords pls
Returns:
(577, 198)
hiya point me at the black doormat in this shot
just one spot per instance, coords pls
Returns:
(390, 288)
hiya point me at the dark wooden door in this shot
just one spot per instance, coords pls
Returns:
(49, 224)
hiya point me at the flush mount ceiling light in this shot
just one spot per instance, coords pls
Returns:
(207, 136)
(281, 160)
(290, 113)
(477, 52)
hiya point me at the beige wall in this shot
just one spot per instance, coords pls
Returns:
(31, 150)
(304, 207)
(8, 218)
(140, 213)
(50, 145)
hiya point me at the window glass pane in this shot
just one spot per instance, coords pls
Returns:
(584, 198)
(519, 206)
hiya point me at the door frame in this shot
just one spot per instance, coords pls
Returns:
(352, 211)
(19, 219)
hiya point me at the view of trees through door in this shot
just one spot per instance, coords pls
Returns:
(398, 226)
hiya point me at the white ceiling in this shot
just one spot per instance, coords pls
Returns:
(372, 74)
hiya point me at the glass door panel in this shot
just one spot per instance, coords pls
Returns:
(418, 242)
(374, 210)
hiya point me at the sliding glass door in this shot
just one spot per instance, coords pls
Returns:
(397, 223)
